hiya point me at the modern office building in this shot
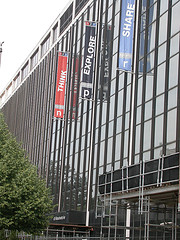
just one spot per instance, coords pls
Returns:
(96, 106)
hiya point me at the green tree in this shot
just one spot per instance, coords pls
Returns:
(24, 199)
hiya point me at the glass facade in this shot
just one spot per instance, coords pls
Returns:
(136, 120)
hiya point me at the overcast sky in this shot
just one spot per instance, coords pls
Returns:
(22, 24)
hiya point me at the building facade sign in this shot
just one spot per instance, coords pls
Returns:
(105, 56)
(143, 37)
(61, 85)
(74, 87)
(126, 35)
(89, 54)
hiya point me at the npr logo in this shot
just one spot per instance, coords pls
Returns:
(86, 92)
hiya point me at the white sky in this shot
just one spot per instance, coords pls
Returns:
(22, 25)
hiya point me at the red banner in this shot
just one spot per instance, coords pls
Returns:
(61, 85)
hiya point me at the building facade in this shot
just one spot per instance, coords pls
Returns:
(131, 117)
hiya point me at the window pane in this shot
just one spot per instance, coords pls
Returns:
(160, 79)
(148, 110)
(175, 18)
(149, 87)
(159, 104)
(158, 139)
(163, 28)
(172, 98)
(137, 139)
(174, 45)
(171, 125)
(162, 53)
(147, 136)
(173, 71)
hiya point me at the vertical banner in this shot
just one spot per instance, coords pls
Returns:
(142, 36)
(61, 85)
(74, 86)
(105, 58)
(126, 34)
(89, 54)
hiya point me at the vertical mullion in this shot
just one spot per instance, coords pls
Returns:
(71, 111)
(155, 81)
(81, 119)
(68, 117)
(144, 82)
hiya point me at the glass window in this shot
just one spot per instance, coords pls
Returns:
(151, 37)
(138, 115)
(148, 110)
(137, 139)
(111, 112)
(160, 104)
(152, 13)
(171, 125)
(175, 19)
(101, 158)
(163, 28)
(158, 152)
(146, 156)
(120, 101)
(55, 33)
(25, 71)
(163, 6)
(103, 132)
(147, 136)
(127, 121)
(172, 98)
(158, 134)
(162, 53)
(160, 79)
(110, 133)
(109, 152)
(174, 45)
(66, 18)
(139, 96)
(174, 1)
(170, 149)
(136, 159)
(34, 59)
(118, 147)
(173, 71)
(128, 98)
(45, 46)
(126, 138)
(119, 125)
(149, 86)
(150, 62)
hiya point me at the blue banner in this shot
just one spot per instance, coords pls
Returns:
(126, 34)
(89, 54)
